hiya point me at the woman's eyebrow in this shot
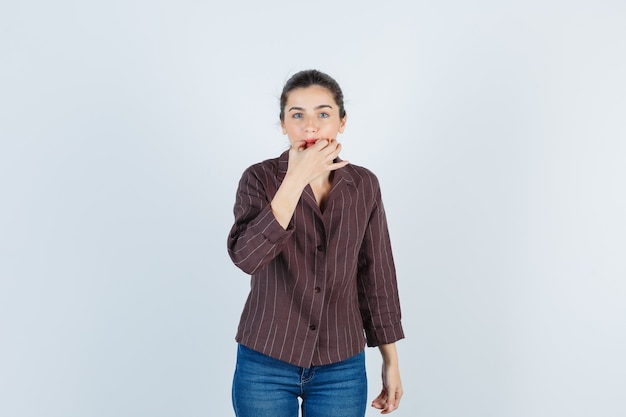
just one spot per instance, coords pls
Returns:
(321, 106)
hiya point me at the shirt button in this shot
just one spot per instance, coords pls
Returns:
(312, 327)
(317, 289)
(320, 248)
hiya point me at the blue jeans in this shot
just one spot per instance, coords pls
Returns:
(267, 387)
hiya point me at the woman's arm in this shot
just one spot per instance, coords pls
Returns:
(256, 237)
(261, 226)
(389, 398)
(379, 300)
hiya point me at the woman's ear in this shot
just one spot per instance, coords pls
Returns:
(342, 124)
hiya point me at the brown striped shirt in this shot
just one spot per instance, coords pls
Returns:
(327, 284)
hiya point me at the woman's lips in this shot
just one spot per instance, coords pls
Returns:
(309, 142)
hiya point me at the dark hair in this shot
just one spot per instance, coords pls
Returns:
(308, 78)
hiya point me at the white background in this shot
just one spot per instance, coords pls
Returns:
(497, 130)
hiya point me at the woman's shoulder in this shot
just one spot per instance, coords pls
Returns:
(361, 175)
(271, 164)
(265, 172)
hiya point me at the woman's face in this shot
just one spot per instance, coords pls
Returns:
(311, 114)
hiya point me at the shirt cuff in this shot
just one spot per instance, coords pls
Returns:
(385, 335)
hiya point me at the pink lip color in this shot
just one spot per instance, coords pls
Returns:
(309, 142)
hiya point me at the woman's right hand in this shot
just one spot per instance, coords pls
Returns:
(308, 164)
(305, 166)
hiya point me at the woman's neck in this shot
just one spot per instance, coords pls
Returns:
(321, 188)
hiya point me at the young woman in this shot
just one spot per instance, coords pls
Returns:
(311, 231)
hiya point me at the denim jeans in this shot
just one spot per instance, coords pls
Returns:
(267, 387)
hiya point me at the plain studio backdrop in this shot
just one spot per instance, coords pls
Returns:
(498, 133)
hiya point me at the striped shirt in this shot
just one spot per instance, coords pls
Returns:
(325, 286)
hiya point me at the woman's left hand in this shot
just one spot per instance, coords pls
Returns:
(389, 398)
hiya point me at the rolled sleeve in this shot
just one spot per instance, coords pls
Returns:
(384, 335)
(378, 291)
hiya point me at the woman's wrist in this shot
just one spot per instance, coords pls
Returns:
(389, 354)
(293, 183)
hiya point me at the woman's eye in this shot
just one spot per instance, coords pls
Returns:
(324, 115)
(297, 115)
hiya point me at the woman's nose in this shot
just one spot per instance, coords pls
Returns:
(311, 124)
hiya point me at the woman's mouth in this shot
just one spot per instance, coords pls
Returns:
(309, 142)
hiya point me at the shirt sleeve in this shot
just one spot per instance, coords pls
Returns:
(256, 236)
(377, 286)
